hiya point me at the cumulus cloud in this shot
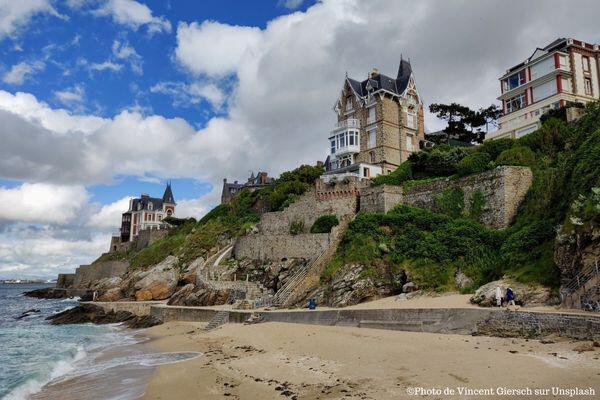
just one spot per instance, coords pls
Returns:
(134, 14)
(15, 15)
(191, 94)
(19, 72)
(109, 215)
(106, 65)
(213, 48)
(73, 96)
(41, 202)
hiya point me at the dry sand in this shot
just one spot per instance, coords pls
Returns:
(287, 361)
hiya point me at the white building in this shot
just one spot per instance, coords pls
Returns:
(567, 70)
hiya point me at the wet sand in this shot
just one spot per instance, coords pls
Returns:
(275, 360)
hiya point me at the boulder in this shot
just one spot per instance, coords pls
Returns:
(348, 287)
(525, 295)
(85, 313)
(113, 294)
(107, 283)
(409, 287)
(462, 281)
(205, 295)
(192, 271)
(158, 282)
(179, 297)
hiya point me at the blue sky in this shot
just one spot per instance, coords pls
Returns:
(101, 100)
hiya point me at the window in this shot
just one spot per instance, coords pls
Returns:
(409, 143)
(516, 103)
(372, 138)
(351, 139)
(586, 63)
(150, 206)
(348, 104)
(367, 172)
(587, 82)
(160, 217)
(372, 157)
(410, 120)
(372, 115)
(562, 61)
(342, 140)
(333, 146)
(514, 81)
(544, 90)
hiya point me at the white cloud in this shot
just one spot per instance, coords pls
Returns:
(191, 94)
(291, 4)
(19, 73)
(134, 15)
(123, 51)
(41, 202)
(16, 14)
(106, 65)
(109, 215)
(213, 48)
(72, 96)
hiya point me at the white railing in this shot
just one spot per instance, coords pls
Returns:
(347, 123)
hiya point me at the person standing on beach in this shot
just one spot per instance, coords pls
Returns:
(510, 297)
(498, 296)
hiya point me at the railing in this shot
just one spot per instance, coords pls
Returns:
(347, 123)
(572, 292)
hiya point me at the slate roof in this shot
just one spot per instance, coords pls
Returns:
(168, 196)
(157, 203)
(380, 81)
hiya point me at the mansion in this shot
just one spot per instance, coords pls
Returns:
(565, 71)
(146, 212)
(379, 124)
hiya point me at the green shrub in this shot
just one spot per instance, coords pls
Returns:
(518, 155)
(477, 205)
(324, 223)
(451, 202)
(442, 160)
(400, 175)
(473, 163)
(296, 227)
(495, 147)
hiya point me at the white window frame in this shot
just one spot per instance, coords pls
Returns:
(371, 138)
(587, 86)
(585, 64)
(372, 114)
(411, 120)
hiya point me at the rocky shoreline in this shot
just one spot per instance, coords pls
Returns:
(86, 313)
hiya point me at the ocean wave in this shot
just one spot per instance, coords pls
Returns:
(56, 370)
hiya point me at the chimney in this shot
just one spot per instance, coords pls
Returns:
(263, 177)
(374, 73)
(224, 180)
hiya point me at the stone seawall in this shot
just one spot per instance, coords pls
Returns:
(503, 190)
(86, 274)
(139, 308)
(272, 247)
(464, 321)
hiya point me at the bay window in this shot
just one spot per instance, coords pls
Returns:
(516, 103)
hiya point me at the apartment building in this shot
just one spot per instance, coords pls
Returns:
(566, 70)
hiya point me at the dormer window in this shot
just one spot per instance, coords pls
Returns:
(150, 206)
(139, 207)
(348, 104)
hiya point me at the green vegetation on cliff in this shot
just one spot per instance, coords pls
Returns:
(190, 239)
(565, 160)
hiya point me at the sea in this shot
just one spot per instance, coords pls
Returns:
(43, 361)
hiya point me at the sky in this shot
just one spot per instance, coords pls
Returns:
(101, 100)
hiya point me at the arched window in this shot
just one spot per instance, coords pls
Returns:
(150, 206)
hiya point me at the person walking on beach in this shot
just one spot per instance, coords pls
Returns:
(498, 296)
(510, 297)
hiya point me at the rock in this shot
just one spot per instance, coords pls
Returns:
(585, 346)
(180, 296)
(28, 313)
(192, 271)
(143, 295)
(159, 282)
(462, 281)
(401, 297)
(58, 293)
(85, 313)
(205, 295)
(525, 295)
(114, 294)
(107, 283)
(348, 287)
(409, 287)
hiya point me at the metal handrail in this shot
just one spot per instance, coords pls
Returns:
(582, 277)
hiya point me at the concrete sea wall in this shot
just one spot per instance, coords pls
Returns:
(464, 321)
(86, 274)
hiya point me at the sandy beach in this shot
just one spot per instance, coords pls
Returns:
(273, 360)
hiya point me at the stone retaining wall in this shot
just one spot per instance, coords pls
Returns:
(85, 274)
(277, 247)
(503, 188)
(139, 308)
(65, 280)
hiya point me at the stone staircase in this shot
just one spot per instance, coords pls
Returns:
(583, 290)
(220, 318)
(284, 292)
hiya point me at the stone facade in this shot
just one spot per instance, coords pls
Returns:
(86, 274)
(273, 241)
(65, 280)
(503, 188)
(148, 236)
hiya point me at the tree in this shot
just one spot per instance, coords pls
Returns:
(465, 124)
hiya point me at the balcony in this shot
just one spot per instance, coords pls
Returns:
(345, 124)
(348, 149)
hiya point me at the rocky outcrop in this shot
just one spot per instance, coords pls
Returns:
(200, 296)
(192, 270)
(114, 294)
(56, 293)
(576, 252)
(272, 275)
(158, 282)
(86, 313)
(525, 295)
